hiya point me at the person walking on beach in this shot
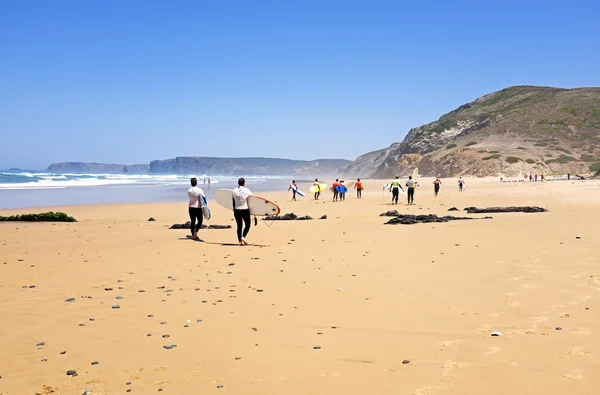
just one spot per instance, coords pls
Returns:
(195, 194)
(342, 194)
(395, 188)
(411, 190)
(241, 211)
(461, 184)
(359, 187)
(334, 188)
(318, 193)
(294, 188)
(436, 186)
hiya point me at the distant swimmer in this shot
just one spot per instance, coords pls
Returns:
(436, 186)
(395, 188)
(241, 211)
(195, 194)
(461, 184)
(294, 188)
(334, 188)
(359, 187)
(411, 190)
(318, 189)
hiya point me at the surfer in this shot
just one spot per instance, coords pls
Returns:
(336, 191)
(343, 190)
(241, 211)
(358, 186)
(411, 190)
(318, 189)
(436, 186)
(461, 184)
(395, 188)
(294, 188)
(195, 194)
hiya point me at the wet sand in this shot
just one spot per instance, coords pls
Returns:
(345, 305)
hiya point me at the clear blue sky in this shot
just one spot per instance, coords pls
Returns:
(130, 81)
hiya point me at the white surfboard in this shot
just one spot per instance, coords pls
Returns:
(258, 206)
(415, 174)
(298, 191)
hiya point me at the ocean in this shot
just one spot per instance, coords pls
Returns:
(37, 189)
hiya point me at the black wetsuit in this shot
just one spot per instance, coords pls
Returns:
(242, 215)
(195, 214)
(411, 194)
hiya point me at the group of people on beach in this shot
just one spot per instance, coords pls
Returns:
(241, 211)
(338, 188)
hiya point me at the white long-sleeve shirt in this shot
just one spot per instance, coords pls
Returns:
(240, 198)
(194, 194)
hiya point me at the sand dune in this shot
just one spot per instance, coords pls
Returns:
(345, 305)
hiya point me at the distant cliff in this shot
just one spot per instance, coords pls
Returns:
(211, 166)
(84, 167)
(521, 129)
(247, 166)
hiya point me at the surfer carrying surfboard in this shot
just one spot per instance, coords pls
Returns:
(335, 189)
(241, 211)
(411, 190)
(294, 188)
(195, 194)
(359, 187)
(317, 189)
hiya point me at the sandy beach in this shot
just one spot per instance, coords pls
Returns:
(344, 305)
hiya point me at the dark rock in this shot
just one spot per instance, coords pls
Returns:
(409, 219)
(70, 300)
(392, 213)
(453, 209)
(405, 362)
(151, 219)
(166, 336)
(316, 347)
(63, 352)
(41, 344)
(108, 289)
(95, 363)
(119, 297)
(116, 306)
(324, 217)
(219, 385)
(287, 217)
(71, 372)
(187, 226)
(558, 328)
(41, 217)
(92, 319)
(512, 209)
(218, 226)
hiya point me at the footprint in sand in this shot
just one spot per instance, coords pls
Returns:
(493, 350)
(594, 281)
(578, 352)
(529, 286)
(574, 375)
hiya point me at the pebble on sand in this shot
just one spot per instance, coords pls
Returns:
(558, 328)
(119, 297)
(316, 347)
(71, 372)
(496, 333)
(70, 300)
(405, 362)
(41, 344)
(219, 385)
(116, 306)
(95, 363)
